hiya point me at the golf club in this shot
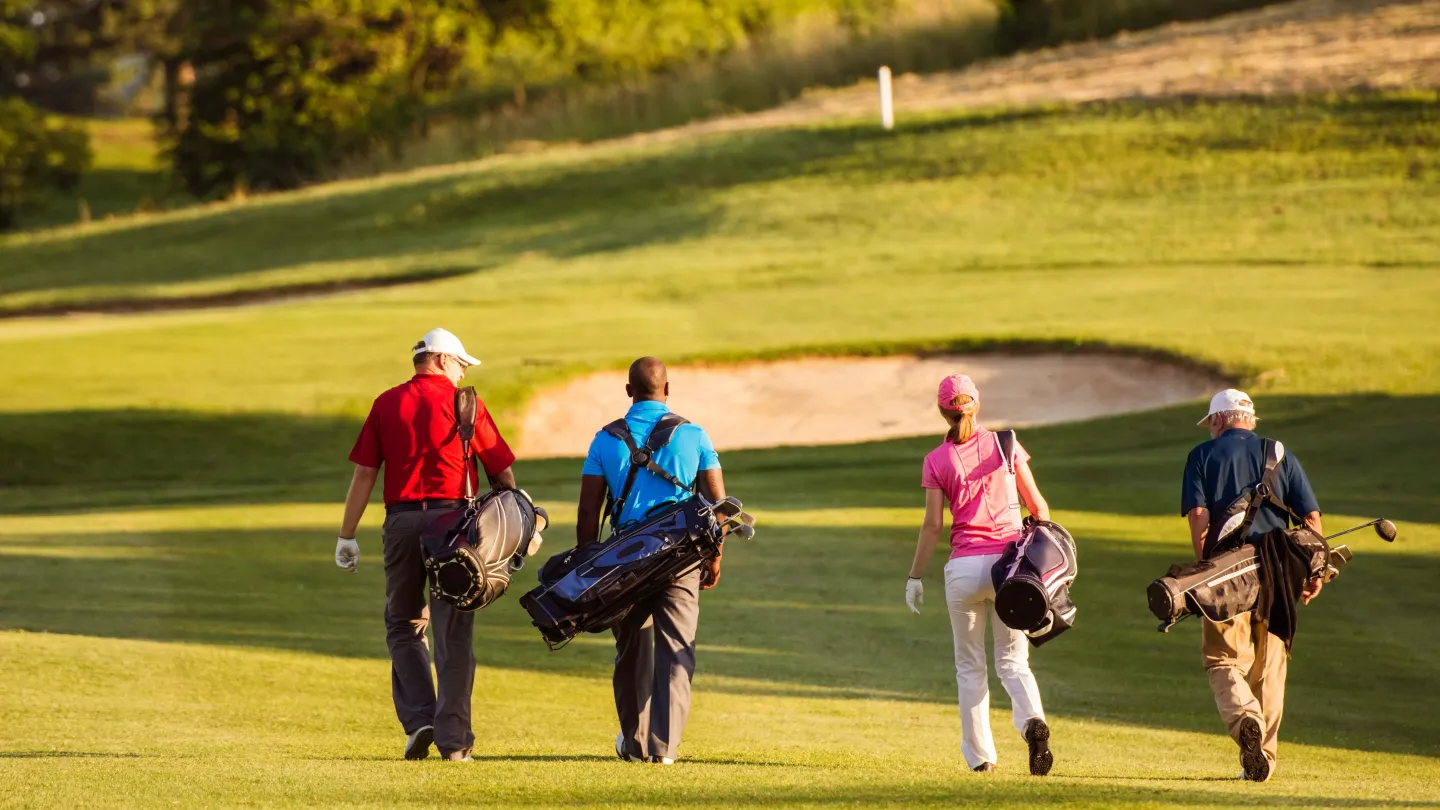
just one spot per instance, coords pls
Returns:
(1383, 527)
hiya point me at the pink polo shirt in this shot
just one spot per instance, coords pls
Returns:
(983, 518)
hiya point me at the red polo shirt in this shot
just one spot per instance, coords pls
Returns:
(411, 432)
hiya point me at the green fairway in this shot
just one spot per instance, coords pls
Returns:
(173, 629)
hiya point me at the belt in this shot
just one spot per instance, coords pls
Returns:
(423, 506)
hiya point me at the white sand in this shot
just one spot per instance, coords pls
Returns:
(844, 400)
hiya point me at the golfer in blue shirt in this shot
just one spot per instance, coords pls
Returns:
(1245, 662)
(655, 642)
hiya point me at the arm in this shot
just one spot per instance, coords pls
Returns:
(362, 483)
(1312, 588)
(931, 528)
(1199, 518)
(711, 484)
(505, 479)
(587, 513)
(1030, 492)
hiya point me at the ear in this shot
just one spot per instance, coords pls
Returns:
(628, 392)
(667, 389)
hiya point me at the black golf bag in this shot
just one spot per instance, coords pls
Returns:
(1228, 584)
(1032, 581)
(587, 589)
(471, 551)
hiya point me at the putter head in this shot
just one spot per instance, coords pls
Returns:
(1386, 530)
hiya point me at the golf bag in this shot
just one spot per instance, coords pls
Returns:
(471, 551)
(589, 588)
(1032, 581)
(1228, 584)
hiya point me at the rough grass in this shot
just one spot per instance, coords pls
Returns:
(172, 628)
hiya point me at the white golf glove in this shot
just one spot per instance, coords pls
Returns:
(914, 594)
(347, 553)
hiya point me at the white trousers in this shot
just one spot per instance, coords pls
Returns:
(970, 595)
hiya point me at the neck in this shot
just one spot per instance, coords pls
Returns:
(638, 400)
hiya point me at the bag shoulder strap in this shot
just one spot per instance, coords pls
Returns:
(467, 408)
(1006, 440)
(643, 458)
(1265, 488)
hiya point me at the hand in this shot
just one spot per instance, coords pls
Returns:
(914, 594)
(1312, 590)
(347, 553)
(710, 574)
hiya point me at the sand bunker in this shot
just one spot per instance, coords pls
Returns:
(844, 400)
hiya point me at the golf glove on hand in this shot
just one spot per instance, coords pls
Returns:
(347, 553)
(914, 594)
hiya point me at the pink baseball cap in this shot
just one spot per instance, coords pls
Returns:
(954, 386)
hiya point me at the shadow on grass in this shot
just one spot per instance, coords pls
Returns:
(1365, 455)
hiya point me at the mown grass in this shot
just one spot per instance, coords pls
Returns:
(172, 628)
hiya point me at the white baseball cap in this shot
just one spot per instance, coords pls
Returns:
(443, 341)
(1231, 399)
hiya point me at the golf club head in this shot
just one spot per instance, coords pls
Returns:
(1386, 530)
(747, 531)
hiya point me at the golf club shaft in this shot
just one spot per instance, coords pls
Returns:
(1355, 529)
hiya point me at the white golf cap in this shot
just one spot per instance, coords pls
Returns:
(1231, 399)
(443, 341)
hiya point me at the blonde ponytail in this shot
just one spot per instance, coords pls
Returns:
(961, 415)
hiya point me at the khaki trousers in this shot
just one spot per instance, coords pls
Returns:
(1247, 675)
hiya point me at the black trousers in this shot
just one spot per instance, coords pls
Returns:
(407, 616)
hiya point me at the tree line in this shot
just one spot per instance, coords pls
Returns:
(271, 94)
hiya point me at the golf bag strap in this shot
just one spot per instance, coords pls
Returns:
(642, 458)
(1006, 440)
(1265, 489)
(467, 407)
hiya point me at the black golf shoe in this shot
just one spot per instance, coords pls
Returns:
(417, 745)
(984, 767)
(1252, 755)
(1037, 737)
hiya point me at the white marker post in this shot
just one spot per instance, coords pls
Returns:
(887, 101)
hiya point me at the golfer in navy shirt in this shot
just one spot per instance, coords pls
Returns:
(655, 642)
(1244, 661)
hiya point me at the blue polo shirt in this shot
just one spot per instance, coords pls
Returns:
(1219, 470)
(689, 452)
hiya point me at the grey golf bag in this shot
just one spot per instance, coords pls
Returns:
(471, 551)
(1032, 581)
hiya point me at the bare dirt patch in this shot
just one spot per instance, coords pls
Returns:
(812, 401)
(1305, 47)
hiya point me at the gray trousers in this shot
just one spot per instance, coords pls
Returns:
(654, 661)
(406, 617)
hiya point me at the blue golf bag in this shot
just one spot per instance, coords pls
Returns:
(588, 589)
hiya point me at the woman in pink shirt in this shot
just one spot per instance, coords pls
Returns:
(968, 471)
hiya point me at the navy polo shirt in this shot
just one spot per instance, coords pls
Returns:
(689, 452)
(1219, 470)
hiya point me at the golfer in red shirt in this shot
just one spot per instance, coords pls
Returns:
(411, 432)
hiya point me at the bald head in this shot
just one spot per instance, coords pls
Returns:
(648, 380)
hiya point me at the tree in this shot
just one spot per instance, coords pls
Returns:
(36, 155)
(284, 91)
